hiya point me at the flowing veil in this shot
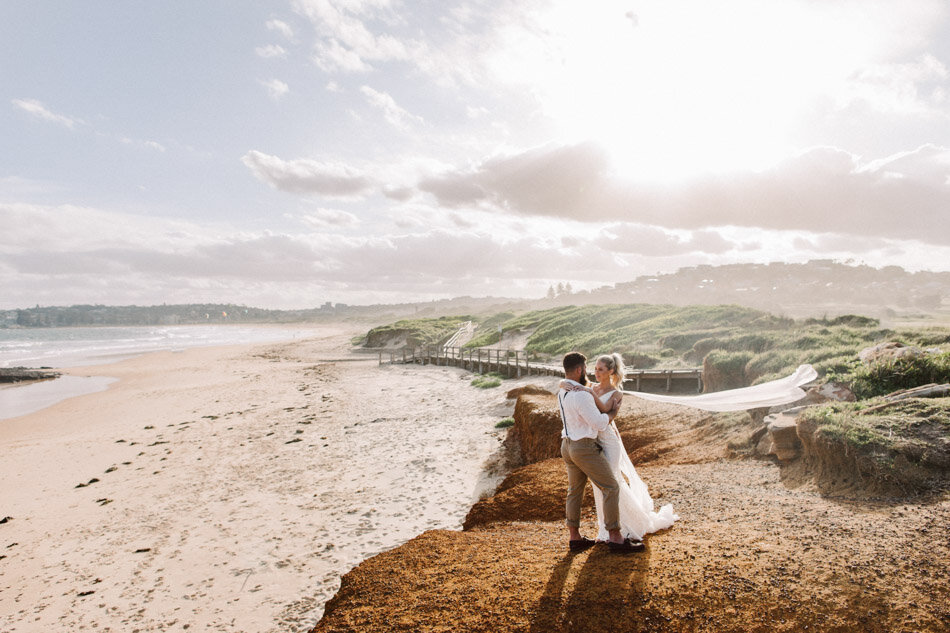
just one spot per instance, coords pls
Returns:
(637, 514)
(768, 394)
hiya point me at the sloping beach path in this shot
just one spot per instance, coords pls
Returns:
(227, 489)
(755, 549)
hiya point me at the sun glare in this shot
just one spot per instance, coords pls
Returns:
(676, 88)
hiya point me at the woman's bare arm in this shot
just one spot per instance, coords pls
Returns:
(568, 385)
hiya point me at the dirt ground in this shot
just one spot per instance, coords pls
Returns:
(756, 548)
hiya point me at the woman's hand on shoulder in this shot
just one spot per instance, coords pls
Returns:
(616, 399)
(568, 385)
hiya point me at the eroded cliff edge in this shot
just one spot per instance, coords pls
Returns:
(752, 551)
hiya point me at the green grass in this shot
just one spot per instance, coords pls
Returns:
(418, 332)
(505, 423)
(744, 345)
(625, 328)
(486, 382)
(881, 378)
(908, 440)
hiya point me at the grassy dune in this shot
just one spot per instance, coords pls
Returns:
(749, 345)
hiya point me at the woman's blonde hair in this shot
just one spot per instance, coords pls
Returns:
(614, 364)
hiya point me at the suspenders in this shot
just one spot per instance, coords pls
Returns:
(563, 416)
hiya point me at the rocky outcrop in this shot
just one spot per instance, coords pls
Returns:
(829, 463)
(888, 351)
(784, 442)
(777, 427)
(23, 374)
(531, 493)
(537, 428)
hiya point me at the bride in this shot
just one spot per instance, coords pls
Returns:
(637, 516)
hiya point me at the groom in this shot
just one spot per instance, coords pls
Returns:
(585, 460)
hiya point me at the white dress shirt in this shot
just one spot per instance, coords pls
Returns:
(580, 415)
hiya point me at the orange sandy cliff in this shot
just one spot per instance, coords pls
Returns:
(755, 549)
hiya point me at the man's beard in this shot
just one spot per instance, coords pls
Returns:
(583, 379)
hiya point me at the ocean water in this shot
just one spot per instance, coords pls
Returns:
(79, 346)
(75, 346)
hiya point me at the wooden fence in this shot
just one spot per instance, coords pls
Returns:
(518, 363)
(509, 363)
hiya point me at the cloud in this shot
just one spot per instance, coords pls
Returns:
(652, 241)
(70, 254)
(307, 176)
(276, 88)
(39, 110)
(322, 218)
(281, 27)
(330, 57)
(824, 189)
(271, 51)
(75, 253)
(906, 88)
(399, 194)
(346, 42)
(393, 113)
(551, 180)
(152, 145)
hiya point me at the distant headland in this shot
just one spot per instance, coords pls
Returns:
(816, 288)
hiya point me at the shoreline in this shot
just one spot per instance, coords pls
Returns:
(230, 488)
(75, 346)
(34, 395)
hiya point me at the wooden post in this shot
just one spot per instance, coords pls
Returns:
(669, 379)
(380, 358)
(638, 382)
(479, 360)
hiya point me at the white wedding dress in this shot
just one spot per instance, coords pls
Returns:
(637, 516)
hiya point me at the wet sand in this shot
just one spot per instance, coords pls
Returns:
(229, 488)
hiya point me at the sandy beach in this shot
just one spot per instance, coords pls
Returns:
(229, 488)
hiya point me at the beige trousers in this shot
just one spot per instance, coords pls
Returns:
(585, 460)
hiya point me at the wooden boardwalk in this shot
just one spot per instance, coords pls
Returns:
(517, 363)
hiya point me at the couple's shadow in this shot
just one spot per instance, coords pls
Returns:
(586, 590)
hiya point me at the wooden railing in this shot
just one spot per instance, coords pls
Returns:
(510, 363)
(518, 363)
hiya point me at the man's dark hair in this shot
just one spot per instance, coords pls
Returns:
(572, 360)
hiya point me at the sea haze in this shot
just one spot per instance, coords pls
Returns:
(75, 346)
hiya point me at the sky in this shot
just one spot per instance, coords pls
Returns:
(286, 153)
